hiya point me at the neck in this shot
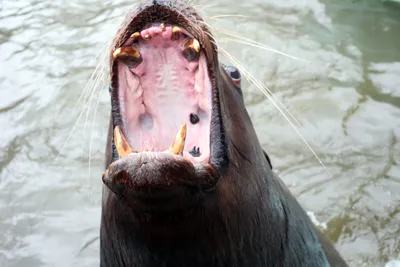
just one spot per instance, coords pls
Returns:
(211, 239)
(266, 228)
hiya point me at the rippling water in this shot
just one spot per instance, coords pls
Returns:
(345, 96)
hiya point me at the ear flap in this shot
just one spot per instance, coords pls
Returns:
(269, 161)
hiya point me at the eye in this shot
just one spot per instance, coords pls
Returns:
(234, 73)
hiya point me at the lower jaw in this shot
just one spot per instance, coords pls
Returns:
(177, 147)
(159, 181)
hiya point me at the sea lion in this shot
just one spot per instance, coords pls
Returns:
(187, 182)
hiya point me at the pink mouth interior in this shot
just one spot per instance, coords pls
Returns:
(158, 96)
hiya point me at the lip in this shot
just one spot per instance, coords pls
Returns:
(160, 181)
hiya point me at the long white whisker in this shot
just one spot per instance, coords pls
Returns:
(247, 41)
(265, 48)
(86, 90)
(202, 7)
(96, 85)
(226, 16)
(71, 132)
(85, 108)
(268, 94)
(209, 34)
(91, 132)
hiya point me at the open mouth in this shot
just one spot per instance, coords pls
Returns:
(164, 94)
(169, 140)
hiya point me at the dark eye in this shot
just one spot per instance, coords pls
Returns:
(235, 76)
(234, 73)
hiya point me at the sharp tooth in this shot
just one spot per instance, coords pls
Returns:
(123, 147)
(162, 26)
(126, 51)
(147, 37)
(191, 50)
(179, 142)
(135, 36)
(191, 43)
(176, 31)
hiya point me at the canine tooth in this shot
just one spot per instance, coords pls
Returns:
(147, 37)
(162, 26)
(126, 51)
(191, 43)
(176, 31)
(123, 147)
(135, 36)
(179, 142)
(191, 50)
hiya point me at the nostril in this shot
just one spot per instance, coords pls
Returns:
(117, 180)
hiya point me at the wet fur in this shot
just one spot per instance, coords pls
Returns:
(250, 219)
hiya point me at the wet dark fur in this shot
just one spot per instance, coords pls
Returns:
(249, 219)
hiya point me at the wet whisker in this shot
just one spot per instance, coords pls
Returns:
(226, 16)
(203, 7)
(90, 83)
(92, 129)
(268, 93)
(247, 41)
(90, 89)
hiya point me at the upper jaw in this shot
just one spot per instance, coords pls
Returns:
(205, 174)
(164, 87)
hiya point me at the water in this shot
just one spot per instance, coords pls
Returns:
(345, 97)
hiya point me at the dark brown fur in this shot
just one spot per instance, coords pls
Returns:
(247, 218)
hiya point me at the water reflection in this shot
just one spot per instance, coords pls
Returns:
(345, 97)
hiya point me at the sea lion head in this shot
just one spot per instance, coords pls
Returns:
(183, 146)
(187, 182)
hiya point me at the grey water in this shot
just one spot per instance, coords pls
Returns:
(343, 89)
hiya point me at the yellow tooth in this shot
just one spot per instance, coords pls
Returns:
(179, 142)
(126, 51)
(135, 36)
(147, 37)
(162, 26)
(191, 43)
(123, 147)
(176, 31)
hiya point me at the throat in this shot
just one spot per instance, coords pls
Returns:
(177, 246)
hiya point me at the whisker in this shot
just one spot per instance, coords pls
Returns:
(253, 43)
(203, 7)
(268, 93)
(226, 16)
(89, 103)
(86, 90)
(96, 84)
(91, 132)
(71, 132)
(266, 48)
(95, 78)
(215, 42)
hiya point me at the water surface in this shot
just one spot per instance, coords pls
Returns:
(345, 96)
